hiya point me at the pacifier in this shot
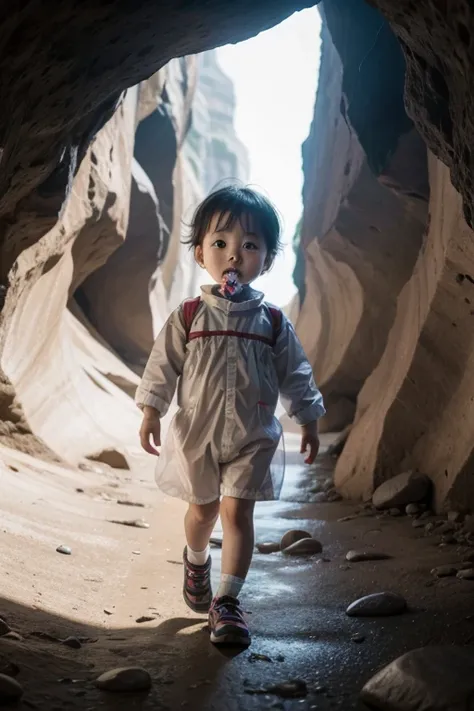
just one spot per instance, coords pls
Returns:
(230, 284)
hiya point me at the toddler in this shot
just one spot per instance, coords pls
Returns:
(230, 354)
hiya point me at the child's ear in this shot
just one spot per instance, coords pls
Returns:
(198, 255)
(267, 264)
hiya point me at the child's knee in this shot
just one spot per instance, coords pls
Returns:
(237, 512)
(205, 513)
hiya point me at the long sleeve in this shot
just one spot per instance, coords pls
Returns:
(164, 365)
(299, 395)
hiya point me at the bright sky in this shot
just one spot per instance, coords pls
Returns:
(275, 77)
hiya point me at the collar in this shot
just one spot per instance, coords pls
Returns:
(254, 301)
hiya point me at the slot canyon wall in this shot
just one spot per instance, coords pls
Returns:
(81, 325)
(385, 267)
(107, 142)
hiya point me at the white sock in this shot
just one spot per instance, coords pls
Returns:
(198, 557)
(229, 585)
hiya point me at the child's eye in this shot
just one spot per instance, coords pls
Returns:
(219, 243)
(250, 245)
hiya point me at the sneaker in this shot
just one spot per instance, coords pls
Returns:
(197, 591)
(226, 622)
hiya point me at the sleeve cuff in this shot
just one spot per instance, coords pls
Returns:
(310, 414)
(142, 399)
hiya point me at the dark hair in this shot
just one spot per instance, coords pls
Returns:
(232, 203)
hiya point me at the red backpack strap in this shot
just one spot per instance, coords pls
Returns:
(277, 318)
(190, 306)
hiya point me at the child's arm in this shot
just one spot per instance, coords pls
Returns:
(158, 384)
(299, 395)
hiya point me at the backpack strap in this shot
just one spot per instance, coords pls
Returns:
(190, 307)
(277, 318)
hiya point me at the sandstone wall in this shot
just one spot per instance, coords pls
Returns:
(361, 232)
(416, 408)
(114, 258)
(182, 149)
(387, 257)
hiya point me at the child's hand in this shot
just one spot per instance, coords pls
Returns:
(310, 439)
(151, 426)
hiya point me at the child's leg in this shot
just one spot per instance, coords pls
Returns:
(237, 544)
(198, 525)
(226, 620)
(199, 522)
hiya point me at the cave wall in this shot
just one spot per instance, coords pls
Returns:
(182, 150)
(361, 231)
(387, 301)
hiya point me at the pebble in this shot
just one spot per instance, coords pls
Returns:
(444, 571)
(346, 518)
(72, 642)
(377, 605)
(268, 547)
(305, 546)
(10, 689)
(418, 523)
(4, 628)
(429, 527)
(124, 679)
(65, 550)
(358, 555)
(292, 536)
(137, 523)
(395, 512)
(412, 509)
(466, 574)
(126, 502)
(13, 636)
(144, 618)
(358, 638)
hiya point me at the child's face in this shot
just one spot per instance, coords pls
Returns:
(234, 248)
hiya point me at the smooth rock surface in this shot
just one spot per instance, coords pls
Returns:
(401, 490)
(293, 536)
(425, 679)
(377, 605)
(305, 546)
(444, 571)
(124, 679)
(10, 689)
(355, 556)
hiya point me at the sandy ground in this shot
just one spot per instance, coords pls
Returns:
(116, 574)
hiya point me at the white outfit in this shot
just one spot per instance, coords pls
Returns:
(229, 371)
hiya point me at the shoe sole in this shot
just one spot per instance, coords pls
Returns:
(230, 638)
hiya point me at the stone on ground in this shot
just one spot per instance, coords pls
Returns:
(124, 679)
(377, 605)
(305, 546)
(359, 555)
(425, 679)
(10, 689)
(401, 490)
(112, 457)
(292, 536)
